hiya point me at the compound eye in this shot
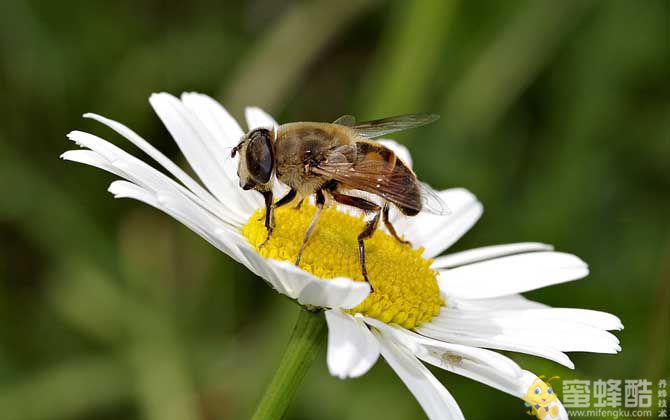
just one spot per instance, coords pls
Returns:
(259, 155)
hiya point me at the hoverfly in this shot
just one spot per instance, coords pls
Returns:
(333, 162)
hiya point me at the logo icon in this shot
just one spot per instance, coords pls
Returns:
(541, 399)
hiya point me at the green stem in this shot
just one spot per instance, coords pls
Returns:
(304, 346)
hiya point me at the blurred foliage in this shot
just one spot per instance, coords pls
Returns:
(555, 113)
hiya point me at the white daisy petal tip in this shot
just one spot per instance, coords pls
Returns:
(68, 155)
(257, 118)
(186, 95)
(73, 135)
(512, 274)
(352, 349)
(472, 256)
(160, 95)
(117, 188)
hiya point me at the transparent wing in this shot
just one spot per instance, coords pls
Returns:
(377, 128)
(346, 120)
(431, 201)
(379, 178)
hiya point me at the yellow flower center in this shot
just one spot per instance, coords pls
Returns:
(405, 287)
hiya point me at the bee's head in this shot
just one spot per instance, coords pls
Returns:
(257, 160)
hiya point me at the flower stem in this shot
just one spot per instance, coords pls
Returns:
(306, 341)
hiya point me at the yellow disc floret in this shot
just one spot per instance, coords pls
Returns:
(405, 287)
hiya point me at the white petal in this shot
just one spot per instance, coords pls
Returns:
(503, 302)
(484, 366)
(125, 189)
(339, 292)
(188, 213)
(117, 161)
(401, 151)
(159, 157)
(352, 349)
(436, 233)
(468, 363)
(285, 277)
(272, 275)
(487, 253)
(308, 289)
(89, 157)
(433, 397)
(512, 274)
(596, 319)
(559, 329)
(544, 332)
(217, 119)
(205, 155)
(446, 354)
(227, 133)
(493, 340)
(257, 118)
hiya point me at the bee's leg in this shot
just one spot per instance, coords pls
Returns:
(370, 226)
(270, 210)
(389, 226)
(297, 206)
(269, 216)
(286, 199)
(320, 201)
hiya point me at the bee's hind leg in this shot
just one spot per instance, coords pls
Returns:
(389, 226)
(370, 225)
(320, 201)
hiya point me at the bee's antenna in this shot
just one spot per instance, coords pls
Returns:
(230, 152)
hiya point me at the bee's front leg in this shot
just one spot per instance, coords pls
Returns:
(269, 216)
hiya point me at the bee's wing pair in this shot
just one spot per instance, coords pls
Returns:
(376, 176)
(378, 128)
(395, 184)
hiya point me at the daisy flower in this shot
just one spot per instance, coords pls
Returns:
(448, 311)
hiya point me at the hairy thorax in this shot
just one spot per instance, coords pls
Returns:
(300, 146)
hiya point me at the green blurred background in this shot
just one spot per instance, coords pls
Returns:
(555, 113)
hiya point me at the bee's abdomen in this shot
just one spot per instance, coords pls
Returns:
(406, 180)
(400, 182)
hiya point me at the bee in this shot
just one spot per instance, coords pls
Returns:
(335, 162)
